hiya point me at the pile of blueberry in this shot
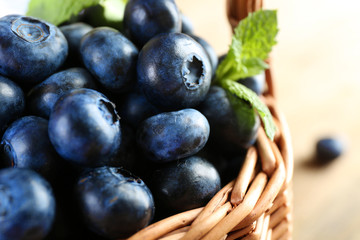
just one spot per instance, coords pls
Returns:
(100, 127)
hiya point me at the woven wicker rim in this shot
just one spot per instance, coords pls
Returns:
(258, 203)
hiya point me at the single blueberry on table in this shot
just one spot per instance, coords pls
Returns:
(30, 49)
(12, 102)
(113, 202)
(173, 135)
(329, 148)
(230, 131)
(174, 71)
(184, 184)
(42, 97)
(84, 127)
(26, 144)
(27, 205)
(144, 19)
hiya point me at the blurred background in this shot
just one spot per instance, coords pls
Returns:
(316, 72)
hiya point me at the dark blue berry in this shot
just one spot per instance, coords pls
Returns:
(27, 205)
(114, 203)
(42, 97)
(26, 144)
(110, 57)
(30, 49)
(12, 102)
(173, 135)
(84, 127)
(144, 19)
(210, 51)
(187, 26)
(73, 34)
(329, 148)
(255, 83)
(184, 184)
(230, 131)
(135, 108)
(174, 71)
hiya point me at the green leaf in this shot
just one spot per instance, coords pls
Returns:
(251, 44)
(246, 94)
(58, 11)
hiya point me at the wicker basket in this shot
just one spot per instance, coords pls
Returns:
(258, 203)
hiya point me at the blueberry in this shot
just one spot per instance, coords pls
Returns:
(127, 155)
(184, 184)
(135, 108)
(42, 97)
(114, 203)
(187, 26)
(84, 127)
(27, 205)
(173, 135)
(30, 49)
(26, 144)
(329, 148)
(144, 19)
(12, 102)
(110, 57)
(255, 83)
(230, 131)
(174, 71)
(210, 51)
(73, 34)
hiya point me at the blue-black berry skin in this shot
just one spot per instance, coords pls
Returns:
(210, 51)
(185, 184)
(144, 19)
(42, 97)
(27, 208)
(73, 33)
(12, 102)
(26, 144)
(255, 83)
(187, 26)
(84, 127)
(110, 57)
(329, 148)
(229, 132)
(30, 49)
(174, 71)
(114, 203)
(173, 135)
(135, 108)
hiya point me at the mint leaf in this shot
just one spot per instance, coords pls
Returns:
(246, 94)
(58, 11)
(251, 44)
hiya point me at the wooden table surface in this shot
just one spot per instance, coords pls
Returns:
(316, 70)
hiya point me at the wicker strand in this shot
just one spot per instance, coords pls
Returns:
(243, 180)
(267, 157)
(271, 191)
(219, 198)
(167, 225)
(241, 211)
